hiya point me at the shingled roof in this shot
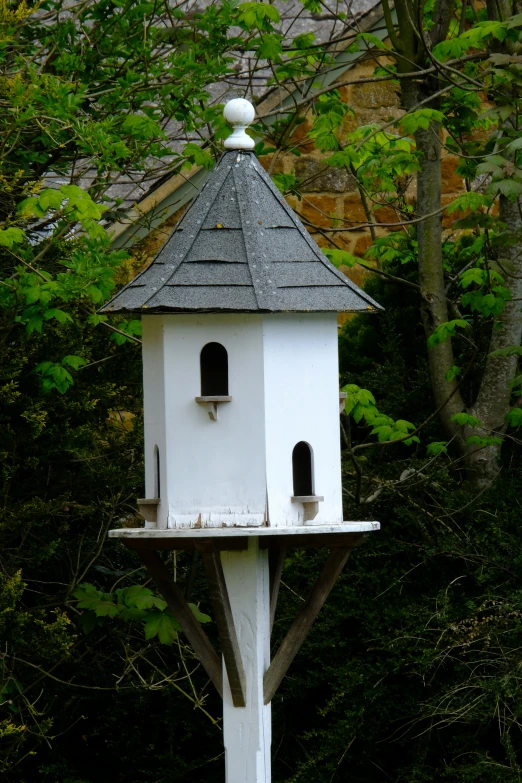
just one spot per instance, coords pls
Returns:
(240, 248)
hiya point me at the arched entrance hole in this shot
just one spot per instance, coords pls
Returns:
(302, 469)
(214, 370)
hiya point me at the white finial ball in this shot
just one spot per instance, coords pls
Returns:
(239, 113)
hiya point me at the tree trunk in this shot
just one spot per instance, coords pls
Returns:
(434, 306)
(493, 399)
(494, 396)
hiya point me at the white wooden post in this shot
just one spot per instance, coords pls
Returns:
(247, 730)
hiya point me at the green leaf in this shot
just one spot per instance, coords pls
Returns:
(475, 275)
(141, 598)
(285, 182)
(163, 625)
(509, 188)
(74, 361)
(341, 257)
(469, 201)
(422, 118)
(29, 207)
(269, 46)
(437, 447)
(373, 40)
(451, 49)
(50, 198)
(102, 604)
(514, 145)
(452, 373)
(259, 15)
(303, 40)
(58, 315)
(464, 419)
(482, 441)
(200, 617)
(142, 127)
(197, 156)
(514, 417)
(445, 330)
(11, 236)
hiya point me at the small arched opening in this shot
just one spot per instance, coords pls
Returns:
(214, 370)
(302, 470)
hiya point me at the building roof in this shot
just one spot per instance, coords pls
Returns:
(240, 248)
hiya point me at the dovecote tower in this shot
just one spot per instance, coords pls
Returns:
(240, 362)
(241, 397)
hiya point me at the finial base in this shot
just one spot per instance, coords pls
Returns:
(239, 140)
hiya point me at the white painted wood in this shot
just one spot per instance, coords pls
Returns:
(249, 532)
(154, 410)
(247, 730)
(215, 469)
(232, 465)
(301, 375)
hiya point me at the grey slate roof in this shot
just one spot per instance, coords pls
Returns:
(240, 248)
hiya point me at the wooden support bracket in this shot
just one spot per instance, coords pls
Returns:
(179, 607)
(212, 403)
(225, 623)
(304, 621)
(276, 563)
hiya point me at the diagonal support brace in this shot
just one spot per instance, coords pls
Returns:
(179, 607)
(225, 623)
(304, 621)
(277, 561)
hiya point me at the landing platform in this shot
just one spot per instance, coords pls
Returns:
(225, 538)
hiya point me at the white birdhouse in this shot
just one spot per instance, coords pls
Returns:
(240, 363)
(242, 439)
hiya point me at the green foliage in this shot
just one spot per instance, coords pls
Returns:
(420, 119)
(330, 111)
(396, 246)
(482, 442)
(360, 405)
(452, 373)
(56, 376)
(465, 420)
(514, 417)
(443, 331)
(197, 156)
(436, 447)
(258, 15)
(11, 236)
(131, 328)
(469, 201)
(341, 257)
(286, 183)
(131, 604)
(163, 625)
